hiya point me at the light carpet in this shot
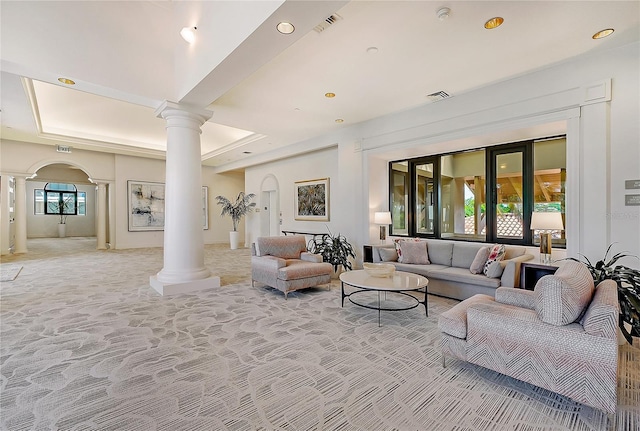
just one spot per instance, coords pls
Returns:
(9, 272)
(88, 345)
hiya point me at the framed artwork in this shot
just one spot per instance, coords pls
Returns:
(205, 207)
(312, 200)
(146, 206)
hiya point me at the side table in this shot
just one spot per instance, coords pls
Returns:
(531, 272)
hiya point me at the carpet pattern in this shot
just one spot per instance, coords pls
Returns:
(9, 272)
(86, 344)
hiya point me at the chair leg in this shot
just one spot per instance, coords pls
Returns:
(444, 361)
(612, 421)
(285, 295)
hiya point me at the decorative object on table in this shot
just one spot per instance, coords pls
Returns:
(312, 200)
(383, 219)
(334, 249)
(379, 269)
(236, 210)
(628, 281)
(546, 221)
(146, 205)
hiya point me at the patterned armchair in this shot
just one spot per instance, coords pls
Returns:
(283, 262)
(561, 337)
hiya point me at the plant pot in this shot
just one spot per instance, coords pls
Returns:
(234, 239)
(62, 230)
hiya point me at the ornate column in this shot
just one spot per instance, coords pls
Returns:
(21, 214)
(184, 269)
(101, 209)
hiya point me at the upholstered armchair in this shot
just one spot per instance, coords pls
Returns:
(283, 262)
(562, 336)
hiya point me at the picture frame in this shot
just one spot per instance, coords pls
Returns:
(145, 205)
(311, 200)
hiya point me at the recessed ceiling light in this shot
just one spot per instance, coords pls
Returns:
(330, 95)
(372, 50)
(285, 28)
(67, 81)
(189, 34)
(603, 33)
(339, 120)
(494, 23)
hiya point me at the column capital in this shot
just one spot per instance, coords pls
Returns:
(168, 110)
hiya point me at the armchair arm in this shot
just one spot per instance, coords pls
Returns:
(310, 257)
(267, 263)
(511, 274)
(516, 297)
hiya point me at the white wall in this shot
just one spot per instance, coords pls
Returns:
(46, 226)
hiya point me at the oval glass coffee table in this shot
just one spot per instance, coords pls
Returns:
(400, 283)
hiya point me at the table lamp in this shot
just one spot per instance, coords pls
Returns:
(545, 222)
(383, 219)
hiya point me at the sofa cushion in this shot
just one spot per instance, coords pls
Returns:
(464, 253)
(426, 270)
(496, 254)
(440, 252)
(600, 319)
(414, 252)
(477, 265)
(462, 275)
(388, 254)
(562, 298)
(297, 269)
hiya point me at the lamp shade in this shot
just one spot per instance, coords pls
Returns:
(383, 218)
(546, 221)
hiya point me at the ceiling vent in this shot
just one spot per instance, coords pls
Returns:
(328, 22)
(438, 95)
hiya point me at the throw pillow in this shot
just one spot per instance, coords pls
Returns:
(563, 297)
(397, 242)
(496, 254)
(495, 269)
(478, 262)
(388, 254)
(414, 252)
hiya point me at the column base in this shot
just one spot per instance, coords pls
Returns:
(165, 289)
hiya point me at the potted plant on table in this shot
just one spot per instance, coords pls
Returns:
(628, 281)
(236, 209)
(334, 249)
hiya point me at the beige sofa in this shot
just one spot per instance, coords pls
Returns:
(449, 273)
(562, 336)
(284, 263)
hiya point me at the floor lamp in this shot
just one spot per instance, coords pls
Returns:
(383, 219)
(546, 222)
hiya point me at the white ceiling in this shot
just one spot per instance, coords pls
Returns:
(266, 89)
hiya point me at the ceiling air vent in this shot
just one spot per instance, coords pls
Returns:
(328, 22)
(438, 95)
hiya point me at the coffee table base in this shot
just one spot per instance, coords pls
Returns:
(379, 307)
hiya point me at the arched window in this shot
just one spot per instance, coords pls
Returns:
(61, 199)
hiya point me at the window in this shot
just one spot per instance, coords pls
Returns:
(59, 199)
(480, 195)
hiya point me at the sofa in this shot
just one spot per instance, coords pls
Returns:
(449, 267)
(283, 262)
(562, 336)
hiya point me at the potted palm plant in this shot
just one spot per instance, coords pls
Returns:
(236, 210)
(334, 249)
(628, 281)
(61, 208)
